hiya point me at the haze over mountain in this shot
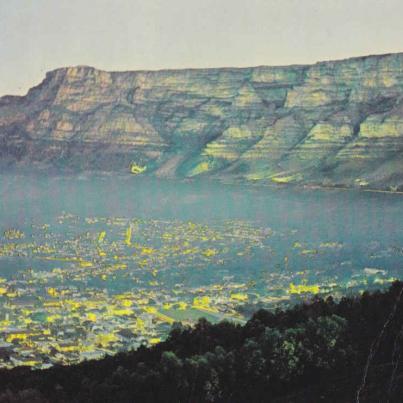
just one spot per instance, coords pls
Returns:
(336, 123)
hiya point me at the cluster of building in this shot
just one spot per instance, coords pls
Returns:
(83, 287)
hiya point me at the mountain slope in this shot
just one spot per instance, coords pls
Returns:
(332, 123)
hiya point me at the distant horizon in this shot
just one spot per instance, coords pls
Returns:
(230, 67)
(204, 68)
(132, 35)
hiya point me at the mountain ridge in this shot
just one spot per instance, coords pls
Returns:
(332, 123)
(344, 59)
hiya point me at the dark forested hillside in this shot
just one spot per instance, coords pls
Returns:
(313, 352)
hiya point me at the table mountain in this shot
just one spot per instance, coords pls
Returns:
(336, 123)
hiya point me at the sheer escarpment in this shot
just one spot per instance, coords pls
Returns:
(330, 124)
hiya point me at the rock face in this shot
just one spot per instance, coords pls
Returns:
(332, 123)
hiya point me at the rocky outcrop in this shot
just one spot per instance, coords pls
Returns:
(332, 123)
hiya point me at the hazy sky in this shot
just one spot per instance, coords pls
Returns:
(40, 35)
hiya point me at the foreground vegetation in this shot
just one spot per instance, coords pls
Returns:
(313, 352)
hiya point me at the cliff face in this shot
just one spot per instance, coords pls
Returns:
(332, 123)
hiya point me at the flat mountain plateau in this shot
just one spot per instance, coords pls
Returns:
(333, 124)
